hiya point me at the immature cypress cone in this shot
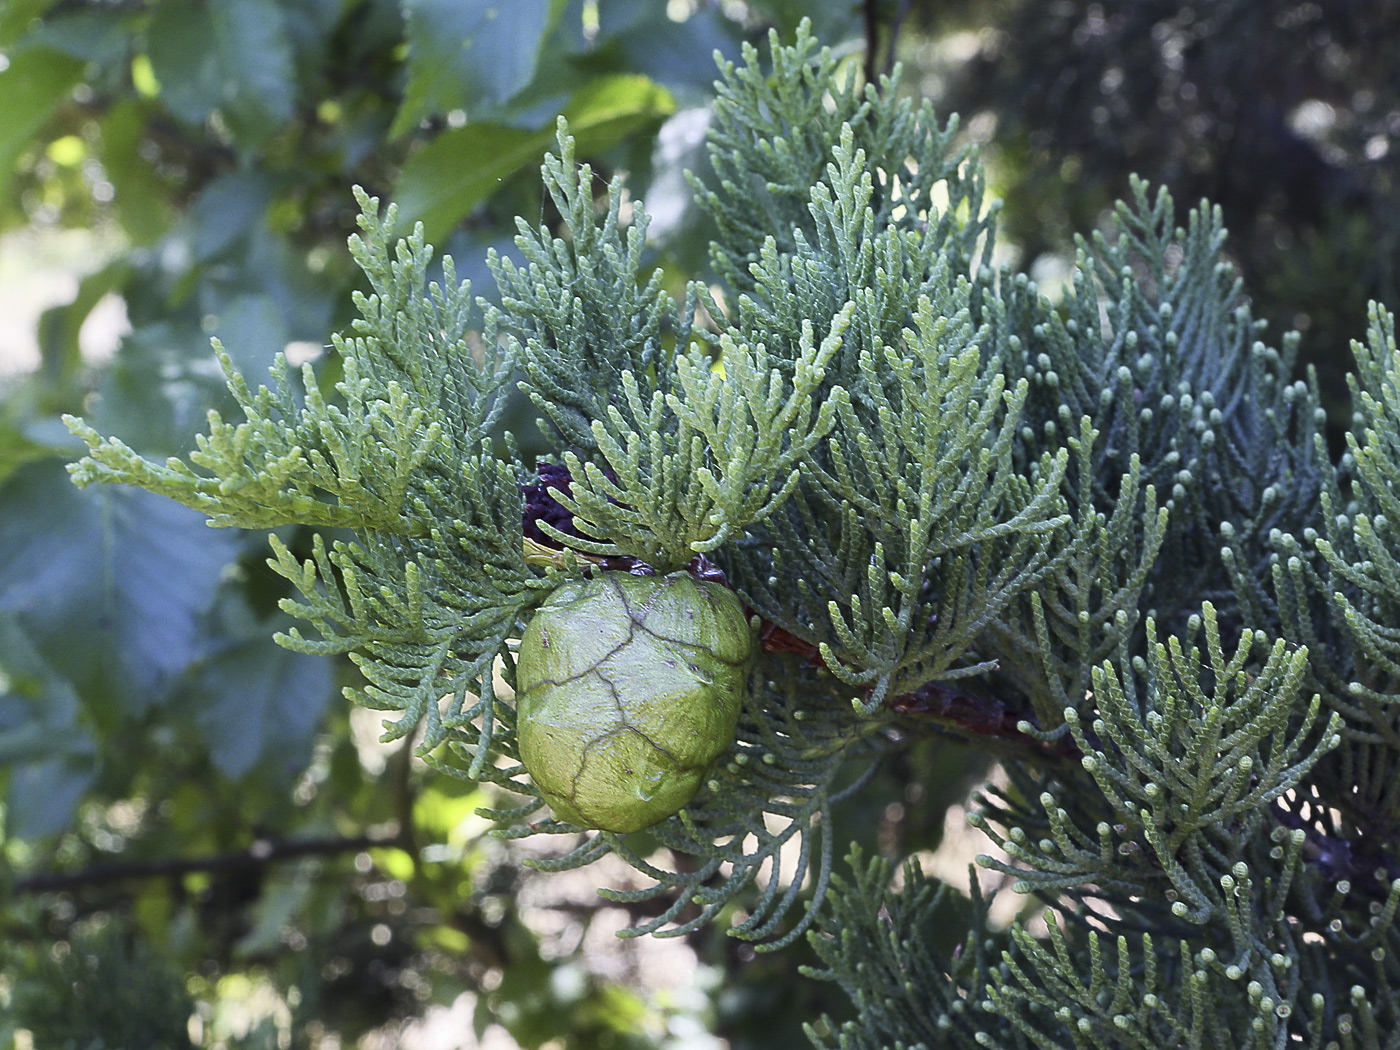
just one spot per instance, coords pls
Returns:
(629, 688)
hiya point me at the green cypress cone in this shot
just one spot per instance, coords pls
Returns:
(629, 688)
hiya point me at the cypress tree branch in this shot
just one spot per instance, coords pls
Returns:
(1101, 536)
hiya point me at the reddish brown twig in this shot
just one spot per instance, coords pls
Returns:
(967, 713)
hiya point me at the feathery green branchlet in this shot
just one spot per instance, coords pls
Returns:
(1156, 346)
(914, 530)
(675, 446)
(583, 311)
(771, 141)
(1112, 517)
(1332, 588)
(683, 457)
(434, 582)
(924, 991)
(1175, 764)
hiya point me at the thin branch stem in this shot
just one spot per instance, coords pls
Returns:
(896, 24)
(260, 853)
(870, 12)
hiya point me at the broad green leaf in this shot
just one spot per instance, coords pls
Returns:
(16, 17)
(608, 109)
(109, 582)
(18, 448)
(32, 85)
(60, 326)
(468, 54)
(617, 16)
(232, 56)
(677, 54)
(163, 381)
(46, 751)
(228, 209)
(311, 26)
(258, 700)
(102, 37)
(44, 795)
(142, 200)
(252, 329)
(185, 61)
(38, 709)
(260, 89)
(460, 168)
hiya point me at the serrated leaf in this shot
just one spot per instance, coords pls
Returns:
(156, 392)
(458, 170)
(43, 746)
(607, 109)
(102, 37)
(44, 795)
(109, 582)
(677, 54)
(227, 209)
(258, 700)
(445, 180)
(18, 448)
(232, 56)
(468, 54)
(252, 329)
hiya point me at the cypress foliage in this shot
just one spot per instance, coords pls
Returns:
(1104, 534)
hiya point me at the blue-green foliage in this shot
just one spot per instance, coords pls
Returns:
(1196, 434)
(916, 964)
(1113, 514)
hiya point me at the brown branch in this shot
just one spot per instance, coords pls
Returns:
(260, 853)
(976, 719)
(892, 44)
(979, 718)
(871, 16)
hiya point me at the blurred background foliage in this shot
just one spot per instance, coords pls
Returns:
(1285, 114)
(197, 833)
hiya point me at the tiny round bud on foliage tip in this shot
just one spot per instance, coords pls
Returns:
(629, 687)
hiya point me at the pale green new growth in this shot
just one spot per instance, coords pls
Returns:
(687, 454)
(313, 463)
(697, 465)
(408, 369)
(426, 596)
